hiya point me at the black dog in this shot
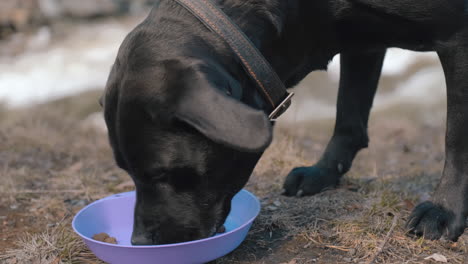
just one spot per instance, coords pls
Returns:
(187, 123)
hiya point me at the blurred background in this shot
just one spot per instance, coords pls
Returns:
(50, 49)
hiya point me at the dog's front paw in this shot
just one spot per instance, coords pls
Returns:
(433, 221)
(309, 181)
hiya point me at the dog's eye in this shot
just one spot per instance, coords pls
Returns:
(183, 178)
(154, 175)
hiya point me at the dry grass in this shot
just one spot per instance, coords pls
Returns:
(57, 244)
(52, 164)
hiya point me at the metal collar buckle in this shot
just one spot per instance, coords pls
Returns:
(281, 108)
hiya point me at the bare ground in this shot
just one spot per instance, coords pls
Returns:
(52, 163)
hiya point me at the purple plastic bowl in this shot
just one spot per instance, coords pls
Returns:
(114, 215)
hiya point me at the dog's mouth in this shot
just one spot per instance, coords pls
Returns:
(217, 230)
(221, 229)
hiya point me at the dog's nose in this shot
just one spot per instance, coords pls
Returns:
(141, 240)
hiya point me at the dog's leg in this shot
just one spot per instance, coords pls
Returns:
(445, 214)
(360, 73)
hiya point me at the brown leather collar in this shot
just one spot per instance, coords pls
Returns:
(257, 67)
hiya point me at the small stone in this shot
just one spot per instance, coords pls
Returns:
(277, 203)
(76, 202)
(437, 257)
(272, 208)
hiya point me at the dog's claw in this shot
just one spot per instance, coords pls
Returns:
(305, 181)
(300, 193)
(433, 221)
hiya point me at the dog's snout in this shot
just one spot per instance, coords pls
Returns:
(142, 239)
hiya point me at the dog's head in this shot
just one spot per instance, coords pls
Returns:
(188, 146)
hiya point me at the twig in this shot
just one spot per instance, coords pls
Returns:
(320, 243)
(384, 243)
(338, 248)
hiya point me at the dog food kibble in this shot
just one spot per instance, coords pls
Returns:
(111, 240)
(103, 237)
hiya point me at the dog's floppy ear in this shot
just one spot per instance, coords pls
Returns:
(223, 119)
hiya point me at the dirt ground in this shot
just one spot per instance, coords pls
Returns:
(53, 162)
